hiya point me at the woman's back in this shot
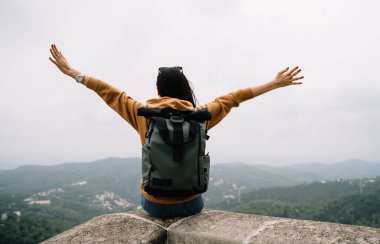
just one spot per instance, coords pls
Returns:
(127, 108)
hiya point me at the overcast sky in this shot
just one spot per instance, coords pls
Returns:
(47, 118)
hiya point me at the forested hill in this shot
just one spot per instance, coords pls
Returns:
(37, 202)
(354, 201)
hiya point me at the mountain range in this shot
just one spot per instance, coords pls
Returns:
(37, 202)
(122, 176)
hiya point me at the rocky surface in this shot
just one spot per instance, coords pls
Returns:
(212, 226)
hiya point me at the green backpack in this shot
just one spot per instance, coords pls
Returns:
(174, 162)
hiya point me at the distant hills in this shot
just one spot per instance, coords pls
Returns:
(119, 174)
(37, 202)
(348, 169)
(122, 176)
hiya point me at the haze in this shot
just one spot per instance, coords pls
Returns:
(47, 118)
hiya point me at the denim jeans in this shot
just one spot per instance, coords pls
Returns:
(172, 210)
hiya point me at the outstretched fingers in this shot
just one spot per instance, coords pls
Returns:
(53, 61)
(283, 71)
(53, 52)
(297, 78)
(55, 49)
(59, 60)
(295, 73)
(292, 71)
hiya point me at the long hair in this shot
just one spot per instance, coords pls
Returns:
(171, 82)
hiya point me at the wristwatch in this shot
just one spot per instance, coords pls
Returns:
(80, 78)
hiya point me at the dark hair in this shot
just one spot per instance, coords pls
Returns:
(171, 82)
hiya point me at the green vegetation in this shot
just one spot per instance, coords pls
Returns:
(353, 209)
(339, 202)
(76, 192)
(37, 223)
(72, 190)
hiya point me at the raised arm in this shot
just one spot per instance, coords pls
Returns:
(124, 105)
(222, 105)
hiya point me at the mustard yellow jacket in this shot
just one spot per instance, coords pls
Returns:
(126, 107)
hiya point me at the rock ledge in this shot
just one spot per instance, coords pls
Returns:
(212, 226)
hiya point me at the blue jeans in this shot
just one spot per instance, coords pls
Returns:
(172, 210)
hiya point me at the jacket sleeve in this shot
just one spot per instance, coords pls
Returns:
(222, 105)
(124, 105)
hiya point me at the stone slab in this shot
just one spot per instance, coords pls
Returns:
(216, 227)
(304, 231)
(113, 228)
(226, 227)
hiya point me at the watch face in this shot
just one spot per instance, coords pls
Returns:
(80, 78)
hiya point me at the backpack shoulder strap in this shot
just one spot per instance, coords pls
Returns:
(162, 128)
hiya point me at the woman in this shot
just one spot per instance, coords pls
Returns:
(173, 91)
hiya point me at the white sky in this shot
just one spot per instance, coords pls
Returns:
(47, 118)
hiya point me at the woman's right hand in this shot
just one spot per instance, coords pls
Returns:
(61, 62)
(287, 77)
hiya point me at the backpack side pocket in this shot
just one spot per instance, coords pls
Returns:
(205, 171)
(146, 165)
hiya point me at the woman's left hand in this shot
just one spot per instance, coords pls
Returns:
(60, 61)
